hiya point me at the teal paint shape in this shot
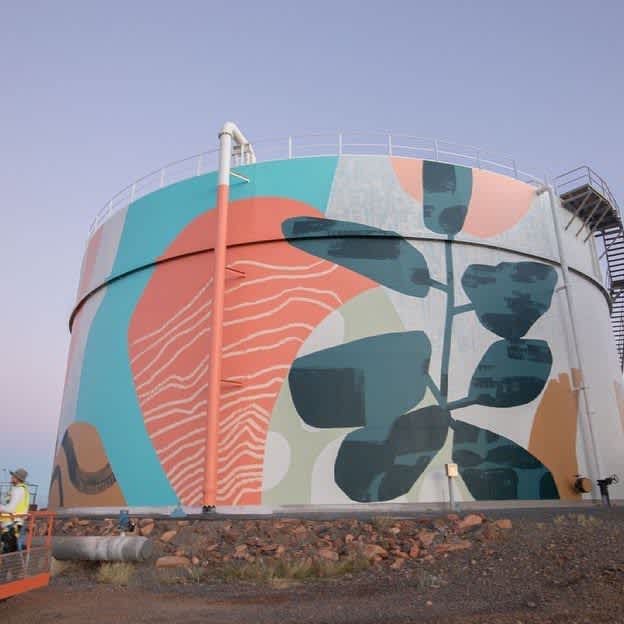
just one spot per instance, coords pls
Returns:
(107, 398)
(367, 382)
(510, 373)
(496, 468)
(308, 180)
(446, 194)
(387, 462)
(509, 297)
(154, 221)
(381, 255)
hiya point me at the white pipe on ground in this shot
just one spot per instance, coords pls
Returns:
(95, 548)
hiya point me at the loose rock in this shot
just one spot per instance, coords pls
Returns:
(327, 553)
(172, 562)
(470, 520)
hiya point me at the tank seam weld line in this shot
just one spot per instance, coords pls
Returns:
(143, 267)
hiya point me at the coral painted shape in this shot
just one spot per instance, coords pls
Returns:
(409, 174)
(269, 312)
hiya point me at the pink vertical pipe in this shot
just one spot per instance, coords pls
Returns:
(216, 332)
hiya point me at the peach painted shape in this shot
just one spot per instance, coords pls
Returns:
(497, 204)
(409, 173)
(553, 435)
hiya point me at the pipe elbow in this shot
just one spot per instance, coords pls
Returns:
(230, 128)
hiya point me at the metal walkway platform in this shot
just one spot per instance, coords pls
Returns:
(588, 198)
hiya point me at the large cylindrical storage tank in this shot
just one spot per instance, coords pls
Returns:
(383, 316)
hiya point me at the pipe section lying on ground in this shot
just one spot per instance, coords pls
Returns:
(93, 548)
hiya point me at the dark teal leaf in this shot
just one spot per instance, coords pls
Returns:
(370, 381)
(510, 297)
(382, 463)
(496, 468)
(447, 191)
(381, 255)
(512, 372)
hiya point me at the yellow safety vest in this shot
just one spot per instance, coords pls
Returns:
(23, 507)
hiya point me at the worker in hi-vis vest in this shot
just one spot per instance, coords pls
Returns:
(12, 512)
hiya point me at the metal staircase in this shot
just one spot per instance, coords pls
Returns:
(588, 197)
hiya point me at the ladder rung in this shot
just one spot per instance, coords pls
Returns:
(234, 382)
(241, 273)
(239, 176)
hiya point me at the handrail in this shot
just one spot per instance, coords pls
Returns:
(584, 175)
(323, 144)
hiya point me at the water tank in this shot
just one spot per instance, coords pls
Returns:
(384, 315)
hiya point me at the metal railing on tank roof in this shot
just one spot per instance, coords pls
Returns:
(586, 176)
(320, 144)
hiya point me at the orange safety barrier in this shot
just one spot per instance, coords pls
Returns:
(28, 568)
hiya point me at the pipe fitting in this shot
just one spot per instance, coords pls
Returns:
(582, 485)
(232, 130)
(604, 484)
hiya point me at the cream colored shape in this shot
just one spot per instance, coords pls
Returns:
(324, 489)
(432, 485)
(276, 460)
(328, 333)
(368, 314)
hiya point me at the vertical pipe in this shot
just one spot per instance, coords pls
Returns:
(451, 493)
(216, 331)
(589, 431)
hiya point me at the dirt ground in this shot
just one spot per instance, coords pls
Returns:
(551, 567)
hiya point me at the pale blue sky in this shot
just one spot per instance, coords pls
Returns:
(94, 95)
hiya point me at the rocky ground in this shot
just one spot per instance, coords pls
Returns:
(533, 567)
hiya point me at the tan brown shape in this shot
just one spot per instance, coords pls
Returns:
(82, 476)
(553, 436)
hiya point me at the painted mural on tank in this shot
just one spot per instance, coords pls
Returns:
(345, 386)
(378, 322)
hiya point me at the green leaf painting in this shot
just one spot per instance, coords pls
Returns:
(509, 297)
(512, 372)
(381, 255)
(496, 468)
(447, 191)
(375, 384)
(366, 382)
(382, 463)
